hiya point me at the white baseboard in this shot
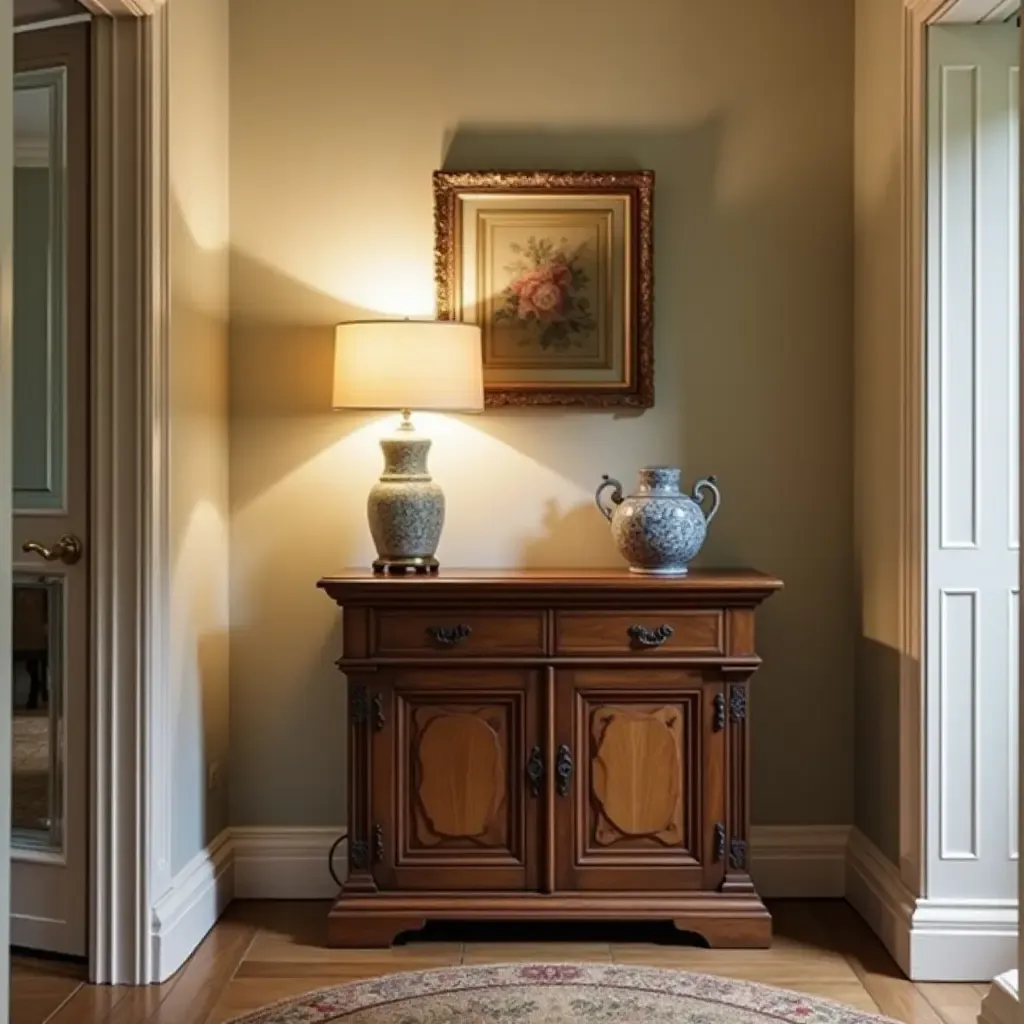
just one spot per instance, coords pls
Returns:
(805, 861)
(287, 863)
(198, 895)
(877, 892)
(930, 939)
(1001, 1004)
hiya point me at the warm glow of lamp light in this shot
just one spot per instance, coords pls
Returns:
(407, 364)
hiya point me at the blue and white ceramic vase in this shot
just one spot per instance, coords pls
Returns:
(659, 530)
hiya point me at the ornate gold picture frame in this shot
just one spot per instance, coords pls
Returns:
(557, 268)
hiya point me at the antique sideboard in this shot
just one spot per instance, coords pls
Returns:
(543, 745)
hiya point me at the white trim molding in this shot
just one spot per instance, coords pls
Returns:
(1001, 1004)
(241, 863)
(805, 861)
(199, 894)
(287, 863)
(931, 940)
(787, 861)
(130, 496)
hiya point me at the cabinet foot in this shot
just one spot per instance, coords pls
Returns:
(345, 931)
(751, 930)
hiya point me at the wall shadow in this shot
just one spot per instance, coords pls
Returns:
(753, 353)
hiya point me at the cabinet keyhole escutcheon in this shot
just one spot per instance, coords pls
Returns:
(535, 771)
(564, 769)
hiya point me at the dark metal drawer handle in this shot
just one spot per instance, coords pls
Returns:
(650, 637)
(535, 771)
(449, 636)
(564, 769)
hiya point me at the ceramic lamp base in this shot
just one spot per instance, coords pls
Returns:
(405, 508)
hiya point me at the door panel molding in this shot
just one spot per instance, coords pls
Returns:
(48, 492)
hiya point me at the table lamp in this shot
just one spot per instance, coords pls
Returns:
(405, 365)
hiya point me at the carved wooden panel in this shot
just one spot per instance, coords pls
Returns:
(459, 766)
(637, 774)
(637, 793)
(453, 753)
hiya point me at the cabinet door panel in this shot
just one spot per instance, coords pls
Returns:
(451, 795)
(640, 809)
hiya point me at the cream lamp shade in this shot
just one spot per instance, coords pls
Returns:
(408, 364)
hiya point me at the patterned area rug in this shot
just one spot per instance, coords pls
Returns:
(556, 994)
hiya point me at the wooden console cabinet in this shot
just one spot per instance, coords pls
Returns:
(545, 745)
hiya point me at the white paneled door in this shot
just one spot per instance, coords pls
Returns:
(972, 460)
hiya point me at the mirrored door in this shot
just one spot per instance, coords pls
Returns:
(49, 838)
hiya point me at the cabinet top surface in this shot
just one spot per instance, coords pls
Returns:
(361, 585)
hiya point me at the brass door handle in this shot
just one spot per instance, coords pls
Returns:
(67, 550)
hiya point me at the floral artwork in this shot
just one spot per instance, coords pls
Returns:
(557, 269)
(549, 291)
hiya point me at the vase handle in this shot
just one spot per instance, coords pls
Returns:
(708, 483)
(616, 495)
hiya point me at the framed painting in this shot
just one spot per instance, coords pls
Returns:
(557, 268)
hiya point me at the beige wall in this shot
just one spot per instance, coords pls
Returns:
(878, 130)
(340, 112)
(199, 101)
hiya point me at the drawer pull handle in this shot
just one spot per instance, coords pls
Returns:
(535, 771)
(449, 636)
(650, 637)
(564, 769)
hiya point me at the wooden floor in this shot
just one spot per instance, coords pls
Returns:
(262, 952)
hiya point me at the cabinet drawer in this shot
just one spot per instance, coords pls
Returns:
(649, 633)
(458, 633)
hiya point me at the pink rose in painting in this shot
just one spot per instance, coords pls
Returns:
(548, 294)
(561, 275)
(528, 283)
(547, 299)
(541, 291)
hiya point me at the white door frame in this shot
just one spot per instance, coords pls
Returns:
(129, 482)
(918, 17)
(129, 717)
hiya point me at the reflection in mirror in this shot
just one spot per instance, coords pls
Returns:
(39, 258)
(37, 690)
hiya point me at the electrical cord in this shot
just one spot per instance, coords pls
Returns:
(330, 858)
